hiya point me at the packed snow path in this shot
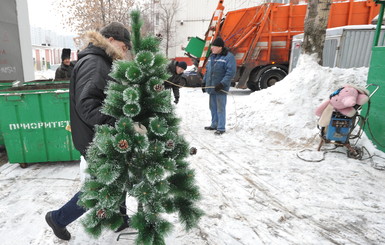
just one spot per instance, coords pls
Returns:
(258, 192)
(255, 189)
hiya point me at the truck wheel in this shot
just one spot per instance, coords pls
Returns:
(253, 83)
(252, 86)
(270, 75)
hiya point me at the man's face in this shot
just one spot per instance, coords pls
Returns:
(179, 70)
(216, 49)
(67, 62)
(121, 46)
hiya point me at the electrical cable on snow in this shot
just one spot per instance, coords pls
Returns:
(316, 160)
(373, 164)
(309, 160)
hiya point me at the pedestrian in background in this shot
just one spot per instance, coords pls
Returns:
(63, 72)
(220, 70)
(176, 69)
(87, 85)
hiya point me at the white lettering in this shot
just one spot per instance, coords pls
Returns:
(8, 69)
(13, 126)
(26, 126)
(38, 125)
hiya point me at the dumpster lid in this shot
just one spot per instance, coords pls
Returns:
(38, 87)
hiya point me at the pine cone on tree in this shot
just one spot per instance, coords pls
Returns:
(101, 213)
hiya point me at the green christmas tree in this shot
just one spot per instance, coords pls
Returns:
(142, 155)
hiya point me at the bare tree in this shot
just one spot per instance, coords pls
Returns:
(168, 10)
(316, 21)
(80, 16)
(147, 14)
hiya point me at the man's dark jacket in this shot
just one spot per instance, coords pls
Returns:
(175, 78)
(63, 72)
(88, 82)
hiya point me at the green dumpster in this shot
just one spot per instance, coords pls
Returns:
(6, 84)
(45, 81)
(34, 123)
(1, 139)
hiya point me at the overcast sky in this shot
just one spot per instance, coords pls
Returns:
(42, 13)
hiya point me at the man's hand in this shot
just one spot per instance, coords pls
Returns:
(219, 87)
(176, 100)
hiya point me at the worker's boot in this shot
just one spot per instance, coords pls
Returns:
(60, 232)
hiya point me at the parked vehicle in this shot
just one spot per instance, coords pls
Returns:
(193, 78)
(260, 37)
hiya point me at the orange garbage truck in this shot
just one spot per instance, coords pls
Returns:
(260, 37)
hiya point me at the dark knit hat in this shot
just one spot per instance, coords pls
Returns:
(218, 42)
(182, 65)
(65, 54)
(117, 31)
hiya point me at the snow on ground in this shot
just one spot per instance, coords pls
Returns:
(45, 74)
(255, 188)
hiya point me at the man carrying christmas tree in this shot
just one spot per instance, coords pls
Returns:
(90, 76)
(176, 68)
(220, 70)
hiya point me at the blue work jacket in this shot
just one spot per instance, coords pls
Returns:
(220, 68)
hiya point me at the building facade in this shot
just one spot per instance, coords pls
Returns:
(47, 46)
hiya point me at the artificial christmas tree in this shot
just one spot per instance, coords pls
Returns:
(142, 155)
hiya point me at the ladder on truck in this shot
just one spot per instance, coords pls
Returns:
(211, 33)
(257, 24)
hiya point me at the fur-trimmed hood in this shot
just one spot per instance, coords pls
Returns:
(100, 41)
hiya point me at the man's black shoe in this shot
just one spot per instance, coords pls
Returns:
(60, 232)
(219, 132)
(210, 128)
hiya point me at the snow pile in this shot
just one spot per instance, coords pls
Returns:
(285, 111)
(45, 74)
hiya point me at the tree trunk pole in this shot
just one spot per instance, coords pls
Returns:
(316, 22)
